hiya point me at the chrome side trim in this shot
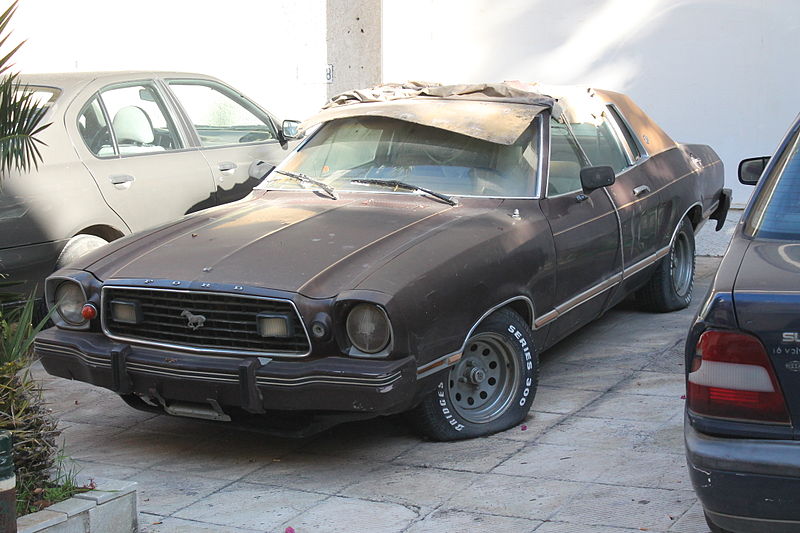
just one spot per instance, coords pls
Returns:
(223, 377)
(451, 358)
(331, 380)
(57, 349)
(757, 291)
(644, 263)
(194, 349)
(578, 300)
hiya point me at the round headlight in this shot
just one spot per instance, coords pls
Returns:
(69, 300)
(368, 328)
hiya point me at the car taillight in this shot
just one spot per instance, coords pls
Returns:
(732, 377)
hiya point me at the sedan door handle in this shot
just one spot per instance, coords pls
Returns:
(121, 179)
(640, 190)
(227, 166)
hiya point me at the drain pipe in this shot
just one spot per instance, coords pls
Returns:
(8, 482)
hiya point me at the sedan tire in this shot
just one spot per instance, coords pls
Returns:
(77, 247)
(670, 288)
(489, 389)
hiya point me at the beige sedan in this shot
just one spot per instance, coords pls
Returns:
(127, 151)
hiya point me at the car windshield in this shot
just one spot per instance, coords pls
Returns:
(367, 149)
(776, 211)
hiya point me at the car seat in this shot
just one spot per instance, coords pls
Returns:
(134, 131)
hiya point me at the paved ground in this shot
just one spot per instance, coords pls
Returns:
(601, 452)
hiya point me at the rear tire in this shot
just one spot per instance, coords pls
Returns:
(670, 287)
(489, 389)
(77, 247)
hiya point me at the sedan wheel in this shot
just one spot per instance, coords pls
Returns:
(483, 383)
(490, 389)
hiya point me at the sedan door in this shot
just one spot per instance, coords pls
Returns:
(586, 237)
(635, 193)
(232, 132)
(141, 161)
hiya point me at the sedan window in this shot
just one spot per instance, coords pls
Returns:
(376, 148)
(220, 116)
(140, 122)
(601, 145)
(565, 161)
(94, 130)
(776, 211)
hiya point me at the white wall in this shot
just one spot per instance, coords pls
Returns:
(273, 51)
(717, 72)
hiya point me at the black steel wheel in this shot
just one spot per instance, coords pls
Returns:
(670, 287)
(489, 389)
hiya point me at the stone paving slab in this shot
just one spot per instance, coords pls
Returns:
(600, 452)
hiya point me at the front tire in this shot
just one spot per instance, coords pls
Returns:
(670, 288)
(489, 389)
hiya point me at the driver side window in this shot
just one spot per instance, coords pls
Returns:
(565, 161)
(220, 117)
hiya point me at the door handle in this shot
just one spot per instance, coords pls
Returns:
(640, 190)
(121, 179)
(227, 167)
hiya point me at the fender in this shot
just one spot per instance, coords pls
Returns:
(452, 358)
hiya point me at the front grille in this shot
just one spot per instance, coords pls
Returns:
(229, 327)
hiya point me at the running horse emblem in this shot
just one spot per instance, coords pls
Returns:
(195, 321)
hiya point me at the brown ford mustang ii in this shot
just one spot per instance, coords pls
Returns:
(415, 253)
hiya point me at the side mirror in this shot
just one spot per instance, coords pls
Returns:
(751, 169)
(291, 129)
(259, 169)
(596, 177)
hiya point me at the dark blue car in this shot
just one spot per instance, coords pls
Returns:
(743, 361)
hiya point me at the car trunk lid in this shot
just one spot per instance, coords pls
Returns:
(767, 300)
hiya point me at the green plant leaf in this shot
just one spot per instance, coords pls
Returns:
(20, 113)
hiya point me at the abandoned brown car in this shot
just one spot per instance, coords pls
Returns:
(415, 253)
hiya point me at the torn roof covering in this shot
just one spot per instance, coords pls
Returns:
(494, 112)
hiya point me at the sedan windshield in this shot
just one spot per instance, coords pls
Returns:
(776, 212)
(353, 153)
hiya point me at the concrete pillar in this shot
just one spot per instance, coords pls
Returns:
(354, 34)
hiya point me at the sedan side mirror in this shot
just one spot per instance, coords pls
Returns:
(291, 129)
(751, 169)
(596, 177)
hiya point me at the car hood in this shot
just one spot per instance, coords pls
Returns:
(297, 242)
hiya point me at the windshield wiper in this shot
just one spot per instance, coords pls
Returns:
(395, 184)
(302, 178)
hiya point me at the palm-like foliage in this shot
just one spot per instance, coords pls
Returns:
(20, 112)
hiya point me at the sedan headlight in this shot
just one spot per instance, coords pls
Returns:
(69, 301)
(368, 328)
